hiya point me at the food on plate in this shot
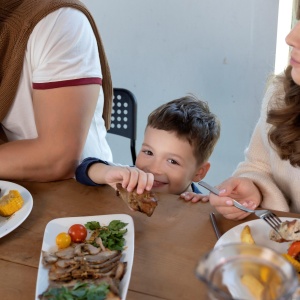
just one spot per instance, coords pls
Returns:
(99, 289)
(288, 231)
(246, 236)
(92, 268)
(293, 255)
(10, 203)
(145, 202)
(254, 285)
(293, 261)
(262, 283)
(63, 240)
(78, 233)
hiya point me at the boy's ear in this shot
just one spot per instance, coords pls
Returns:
(201, 173)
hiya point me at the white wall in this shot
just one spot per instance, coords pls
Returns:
(220, 50)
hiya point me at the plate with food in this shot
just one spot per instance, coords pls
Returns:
(285, 241)
(262, 234)
(87, 255)
(15, 206)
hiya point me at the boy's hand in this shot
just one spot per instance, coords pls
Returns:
(193, 197)
(129, 177)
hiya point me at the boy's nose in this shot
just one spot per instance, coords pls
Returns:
(154, 168)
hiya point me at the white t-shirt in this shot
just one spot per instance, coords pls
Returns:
(61, 51)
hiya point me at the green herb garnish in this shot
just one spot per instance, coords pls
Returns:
(111, 235)
(81, 291)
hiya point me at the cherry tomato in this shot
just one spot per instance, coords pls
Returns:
(294, 249)
(78, 233)
(63, 240)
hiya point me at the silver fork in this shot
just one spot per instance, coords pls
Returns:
(263, 214)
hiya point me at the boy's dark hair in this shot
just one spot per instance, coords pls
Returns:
(190, 119)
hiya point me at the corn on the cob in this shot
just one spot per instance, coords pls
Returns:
(10, 203)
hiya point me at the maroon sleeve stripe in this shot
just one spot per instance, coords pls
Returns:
(65, 83)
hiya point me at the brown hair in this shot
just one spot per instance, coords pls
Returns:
(285, 121)
(190, 119)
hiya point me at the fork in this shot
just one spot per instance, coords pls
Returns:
(263, 214)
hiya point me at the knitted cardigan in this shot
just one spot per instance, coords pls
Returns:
(277, 179)
(17, 20)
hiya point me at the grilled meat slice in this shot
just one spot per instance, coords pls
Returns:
(289, 231)
(106, 263)
(49, 258)
(83, 249)
(144, 203)
(65, 263)
(66, 253)
(61, 274)
(98, 258)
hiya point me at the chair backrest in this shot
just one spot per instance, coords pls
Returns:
(123, 117)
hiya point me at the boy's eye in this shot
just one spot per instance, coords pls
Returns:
(147, 152)
(173, 162)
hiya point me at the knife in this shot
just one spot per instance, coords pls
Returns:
(215, 225)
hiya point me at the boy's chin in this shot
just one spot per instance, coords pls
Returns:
(160, 189)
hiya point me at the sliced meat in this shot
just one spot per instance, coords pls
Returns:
(66, 253)
(65, 263)
(145, 202)
(121, 269)
(49, 258)
(98, 258)
(99, 242)
(62, 274)
(289, 231)
(106, 263)
(93, 273)
(83, 249)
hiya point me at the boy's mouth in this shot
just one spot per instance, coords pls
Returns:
(157, 184)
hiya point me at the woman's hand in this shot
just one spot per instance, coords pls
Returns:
(239, 188)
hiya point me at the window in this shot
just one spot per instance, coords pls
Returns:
(286, 18)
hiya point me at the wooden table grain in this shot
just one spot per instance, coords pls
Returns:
(168, 244)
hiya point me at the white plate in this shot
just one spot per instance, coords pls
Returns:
(260, 231)
(56, 226)
(9, 224)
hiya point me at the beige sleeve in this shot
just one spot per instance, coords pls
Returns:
(259, 157)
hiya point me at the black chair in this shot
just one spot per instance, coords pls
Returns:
(123, 117)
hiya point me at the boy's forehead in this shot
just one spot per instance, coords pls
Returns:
(165, 140)
(154, 133)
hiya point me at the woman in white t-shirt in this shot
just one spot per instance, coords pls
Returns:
(56, 119)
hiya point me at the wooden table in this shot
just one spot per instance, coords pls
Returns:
(168, 245)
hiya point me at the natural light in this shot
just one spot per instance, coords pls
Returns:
(284, 26)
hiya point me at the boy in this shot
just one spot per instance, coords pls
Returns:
(179, 139)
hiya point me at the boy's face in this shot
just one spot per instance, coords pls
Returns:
(169, 159)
